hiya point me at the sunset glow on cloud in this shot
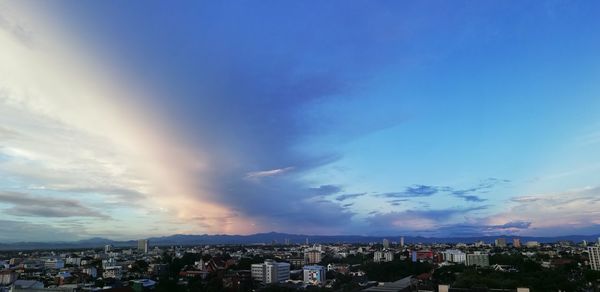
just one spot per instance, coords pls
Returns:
(125, 120)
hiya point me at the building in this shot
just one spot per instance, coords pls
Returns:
(7, 277)
(500, 242)
(314, 275)
(115, 272)
(297, 262)
(454, 256)
(594, 254)
(421, 255)
(402, 241)
(532, 244)
(54, 264)
(143, 245)
(109, 262)
(270, 272)
(107, 248)
(516, 242)
(477, 259)
(312, 256)
(383, 256)
(90, 271)
(386, 243)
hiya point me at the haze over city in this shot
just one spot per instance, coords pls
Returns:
(128, 120)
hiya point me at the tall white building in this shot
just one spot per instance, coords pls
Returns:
(402, 241)
(594, 254)
(454, 256)
(386, 243)
(270, 272)
(383, 256)
(143, 245)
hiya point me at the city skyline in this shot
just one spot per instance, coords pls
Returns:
(437, 119)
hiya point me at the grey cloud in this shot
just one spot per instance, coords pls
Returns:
(349, 196)
(34, 206)
(34, 232)
(325, 190)
(382, 223)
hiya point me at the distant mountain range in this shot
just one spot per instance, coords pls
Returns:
(278, 238)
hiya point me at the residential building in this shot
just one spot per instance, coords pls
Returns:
(312, 256)
(270, 272)
(7, 277)
(594, 255)
(115, 272)
(314, 275)
(454, 256)
(54, 264)
(402, 241)
(531, 244)
(383, 256)
(478, 259)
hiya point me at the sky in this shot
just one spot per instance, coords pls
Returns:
(134, 119)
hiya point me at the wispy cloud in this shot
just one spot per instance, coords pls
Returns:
(349, 196)
(256, 175)
(325, 190)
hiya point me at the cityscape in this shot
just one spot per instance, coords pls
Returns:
(507, 264)
(295, 145)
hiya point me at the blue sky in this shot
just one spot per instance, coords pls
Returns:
(427, 118)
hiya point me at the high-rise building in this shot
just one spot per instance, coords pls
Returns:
(107, 248)
(598, 242)
(143, 245)
(500, 242)
(481, 260)
(383, 256)
(386, 243)
(594, 254)
(270, 272)
(312, 256)
(402, 241)
(516, 242)
(314, 275)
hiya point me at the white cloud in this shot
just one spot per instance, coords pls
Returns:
(255, 175)
(576, 209)
(69, 132)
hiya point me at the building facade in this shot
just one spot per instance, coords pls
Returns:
(312, 256)
(480, 260)
(143, 245)
(383, 256)
(594, 255)
(314, 275)
(270, 272)
(454, 256)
